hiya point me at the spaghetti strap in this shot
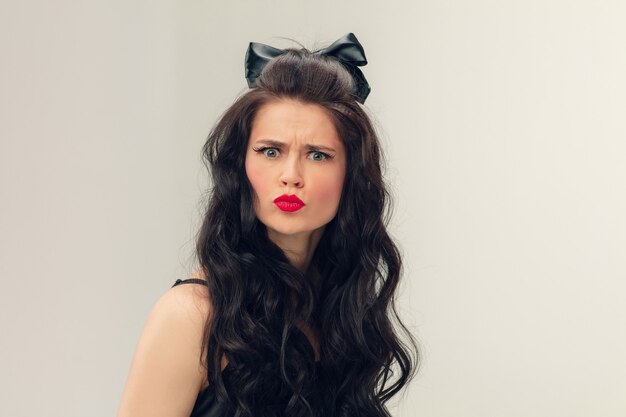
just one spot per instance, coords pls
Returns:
(189, 281)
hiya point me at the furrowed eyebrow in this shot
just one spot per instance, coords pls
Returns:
(319, 148)
(272, 143)
(280, 145)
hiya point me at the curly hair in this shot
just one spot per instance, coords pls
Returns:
(258, 298)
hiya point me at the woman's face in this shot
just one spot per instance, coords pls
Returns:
(295, 154)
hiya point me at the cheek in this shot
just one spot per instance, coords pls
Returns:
(330, 189)
(255, 176)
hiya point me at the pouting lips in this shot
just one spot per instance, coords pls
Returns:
(289, 202)
(289, 199)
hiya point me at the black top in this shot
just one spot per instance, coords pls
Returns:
(206, 403)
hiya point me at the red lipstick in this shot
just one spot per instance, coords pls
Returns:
(289, 202)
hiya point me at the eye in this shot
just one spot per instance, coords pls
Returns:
(271, 153)
(319, 156)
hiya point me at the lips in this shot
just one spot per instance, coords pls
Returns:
(289, 203)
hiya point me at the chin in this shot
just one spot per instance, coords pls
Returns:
(293, 230)
(289, 231)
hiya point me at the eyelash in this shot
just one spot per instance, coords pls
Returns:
(266, 148)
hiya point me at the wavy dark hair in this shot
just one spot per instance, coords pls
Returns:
(347, 294)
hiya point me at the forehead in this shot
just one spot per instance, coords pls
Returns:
(290, 120)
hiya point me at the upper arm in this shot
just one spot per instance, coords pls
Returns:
(166, 373)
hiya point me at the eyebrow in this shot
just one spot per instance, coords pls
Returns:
(279, 145)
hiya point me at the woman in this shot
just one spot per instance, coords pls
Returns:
(293, 309)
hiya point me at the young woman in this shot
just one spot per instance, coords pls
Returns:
(291, 312)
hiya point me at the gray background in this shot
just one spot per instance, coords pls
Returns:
(504, 129)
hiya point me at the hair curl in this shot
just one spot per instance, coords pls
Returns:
(258, 298)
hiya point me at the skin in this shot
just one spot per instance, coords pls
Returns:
(294, 148)
(166, 373)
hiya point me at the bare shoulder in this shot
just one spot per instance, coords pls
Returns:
(185, 301)
(166, 372)
(181, 311)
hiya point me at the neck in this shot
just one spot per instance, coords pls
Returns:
(298, 248)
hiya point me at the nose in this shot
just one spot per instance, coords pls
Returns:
(291, 174)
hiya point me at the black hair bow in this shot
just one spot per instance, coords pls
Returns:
(347, 50)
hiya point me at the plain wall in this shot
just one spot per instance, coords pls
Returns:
(504, 129)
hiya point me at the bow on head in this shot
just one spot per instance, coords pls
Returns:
(347, 50)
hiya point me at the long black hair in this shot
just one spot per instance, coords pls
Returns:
(347, 295)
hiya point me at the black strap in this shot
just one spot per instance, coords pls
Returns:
(189, 281)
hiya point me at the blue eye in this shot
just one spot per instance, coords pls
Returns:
(271, 153)
(319, 156)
